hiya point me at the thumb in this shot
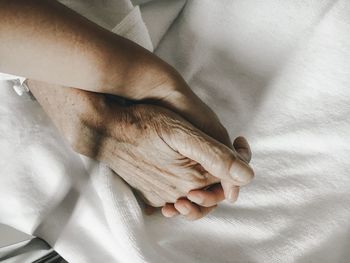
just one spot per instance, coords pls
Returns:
(242, 147)
(215, 157)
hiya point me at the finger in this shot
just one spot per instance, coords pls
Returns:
(190, 210)
(230, 190)
(216, 158)
(169, 210)
(194, 110)
(207, 198)
(149, 210)
(242, 147)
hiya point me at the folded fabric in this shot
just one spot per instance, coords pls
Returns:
(275, 71)
(47, 190)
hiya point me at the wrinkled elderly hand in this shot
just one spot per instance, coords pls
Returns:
(155, 150)
(78, 53)
(160, 154)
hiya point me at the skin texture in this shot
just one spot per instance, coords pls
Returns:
(53, 44)
(154, 150)
(200, 202)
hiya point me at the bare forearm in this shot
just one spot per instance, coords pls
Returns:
(46, 41)
(78, 114)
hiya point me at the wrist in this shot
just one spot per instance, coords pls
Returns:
(79, 115)
(137, 74)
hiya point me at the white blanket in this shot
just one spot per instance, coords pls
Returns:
(275, 71)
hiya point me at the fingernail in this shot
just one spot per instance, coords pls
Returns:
(183, 210)
(172, 214)
(196, 199)
(232, 196)
(241, 172)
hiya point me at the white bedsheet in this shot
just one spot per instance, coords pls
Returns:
(275, 71)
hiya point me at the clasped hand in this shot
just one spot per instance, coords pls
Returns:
(157, 152)
(168, 146)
